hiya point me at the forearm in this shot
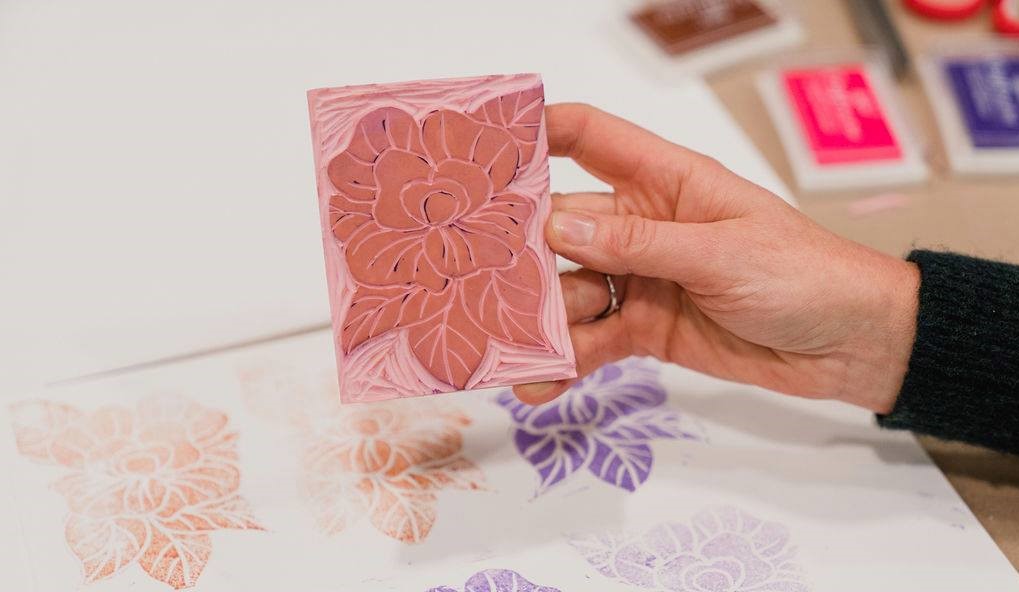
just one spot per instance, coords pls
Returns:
(962, 381)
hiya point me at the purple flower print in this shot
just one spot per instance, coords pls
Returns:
(497, 580)
(721, 550)
(604, 423)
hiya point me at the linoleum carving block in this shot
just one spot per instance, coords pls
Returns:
(433, 196)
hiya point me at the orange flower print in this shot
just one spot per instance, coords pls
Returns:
(386, 461)
(146, 484)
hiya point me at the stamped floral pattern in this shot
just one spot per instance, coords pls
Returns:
(386, 462)
(721, 549)
(146, 484)
(497, 580)
(434, 235)
(605, 424)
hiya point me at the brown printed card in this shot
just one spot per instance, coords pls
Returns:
(679, 26)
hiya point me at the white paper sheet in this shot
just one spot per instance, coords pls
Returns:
(285, 489)
(156, 183)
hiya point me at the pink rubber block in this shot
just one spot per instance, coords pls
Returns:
(432, 196)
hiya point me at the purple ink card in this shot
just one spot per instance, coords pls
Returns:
(987, 94)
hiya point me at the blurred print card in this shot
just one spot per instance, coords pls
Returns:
(240, 471)
(683, 37)
(679, 26)
(975, 94)
(840, 125)
(433, 197)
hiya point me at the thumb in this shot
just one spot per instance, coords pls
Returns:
(627, 244)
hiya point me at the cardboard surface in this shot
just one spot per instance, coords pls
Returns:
(968, 215)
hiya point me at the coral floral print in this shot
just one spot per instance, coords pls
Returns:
(722, 549)
(385, 461)
(146, 484)
(433, 237)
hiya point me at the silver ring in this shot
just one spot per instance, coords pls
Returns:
(614, 303)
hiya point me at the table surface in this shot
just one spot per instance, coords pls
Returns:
(971, 216)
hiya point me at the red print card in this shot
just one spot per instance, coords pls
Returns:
(432, 196)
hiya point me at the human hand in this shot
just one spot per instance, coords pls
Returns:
(718, 274)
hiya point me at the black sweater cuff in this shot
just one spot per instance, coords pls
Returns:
(963, 376)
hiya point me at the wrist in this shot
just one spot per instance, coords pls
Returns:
(879, 354)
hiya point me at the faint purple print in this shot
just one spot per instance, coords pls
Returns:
(604, 424)
(497, 580)
(722, 549)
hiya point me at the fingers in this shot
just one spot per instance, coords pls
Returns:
(595, 345)
(607, 146)
(601, 203)
(622, 245)
(586, 294)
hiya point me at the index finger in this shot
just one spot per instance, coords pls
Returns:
(609, 147)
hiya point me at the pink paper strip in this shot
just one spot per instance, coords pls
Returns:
(432, 196)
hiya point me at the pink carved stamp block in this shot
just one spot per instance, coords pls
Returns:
(433, 195)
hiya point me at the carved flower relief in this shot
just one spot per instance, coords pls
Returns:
(433, 236)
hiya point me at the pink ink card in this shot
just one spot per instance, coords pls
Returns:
(432, 196)
(841, 115)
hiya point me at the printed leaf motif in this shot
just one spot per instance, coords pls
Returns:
(645, 425)
(386, 461)
(147, 484)
(104, 545)
(518, 112)
(497, 580)
(454, 473)
(604, 423)
(721, 549)
(176, 558)
(38, 426)
(216, 514)
(621, 463)
(403, 513)
(505, 303)
(556, 455)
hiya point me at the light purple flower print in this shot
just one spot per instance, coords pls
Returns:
(497, 580)
(721, 550)
(604, 423)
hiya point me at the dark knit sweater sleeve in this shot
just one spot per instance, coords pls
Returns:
(963, 376)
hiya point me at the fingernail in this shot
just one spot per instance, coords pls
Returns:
(576, 229)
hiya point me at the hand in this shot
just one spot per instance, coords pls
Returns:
(719, 275)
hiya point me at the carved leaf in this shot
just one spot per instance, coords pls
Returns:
(452, 346)
(374, 311)
(520, 114)
(506, 303)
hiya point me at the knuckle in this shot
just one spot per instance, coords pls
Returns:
(635, 238)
